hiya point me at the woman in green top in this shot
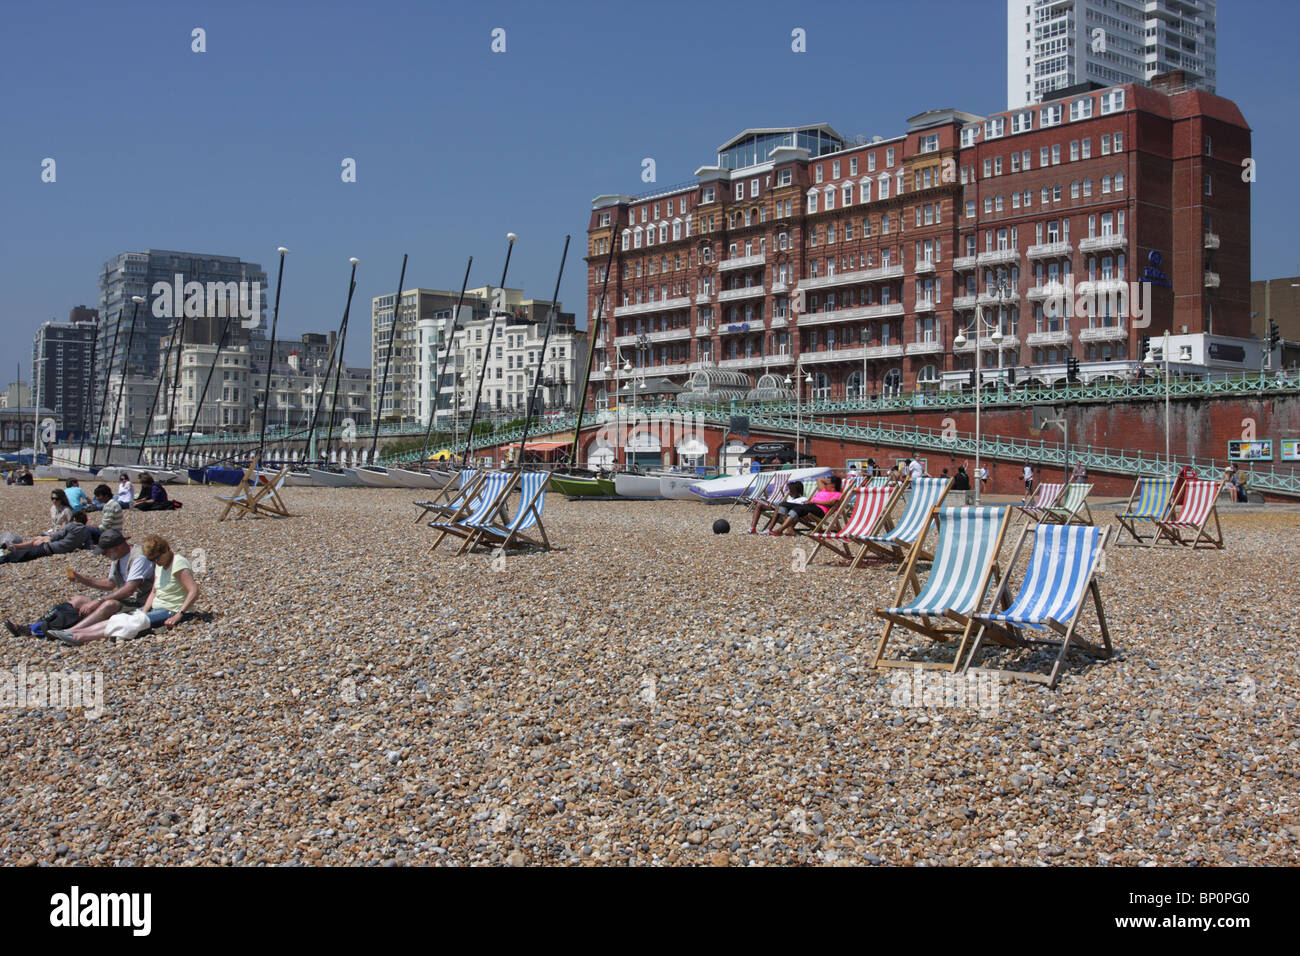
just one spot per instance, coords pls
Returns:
(174, 588)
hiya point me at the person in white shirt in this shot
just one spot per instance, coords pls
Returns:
(915, 469)
(125, 491)
(1028, 473)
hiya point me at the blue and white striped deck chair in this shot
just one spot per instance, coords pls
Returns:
(1062, 572)
(451, 500)
(528, 515)
(965, 564)
(483, 506)
(755, 489)
(909, 533)
(1149, 501)
(878, 481)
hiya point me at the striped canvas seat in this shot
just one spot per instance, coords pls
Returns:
(1198, 504)
(965, 561)
(926, 494)
(834, 517)
(776, 488)
(1073, 506)
(869, 507)
(1152, 497)
(488, 498)
(451, 502)
(532, 500)
(1061, 573)
(1044, 498)
(879, 481)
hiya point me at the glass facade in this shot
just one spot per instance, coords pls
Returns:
(753, 150)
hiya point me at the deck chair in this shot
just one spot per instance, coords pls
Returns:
(1061, 574)
(451, 498)
(1045, 498)
(772, 497)
(258, 501)
(879, 481)
(894, 545)
(834, 518)
(1072, 508)
(1152, 497)
(1197, 504)
(486, 504)
(870, 515)
(754, 490)
(528, 515)
(240, 493)
(965, 565)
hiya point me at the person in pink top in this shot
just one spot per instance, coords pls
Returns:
(820, 502)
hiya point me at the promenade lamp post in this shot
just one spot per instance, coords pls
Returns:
(610, 377)
(798, 409)
(1003, 292)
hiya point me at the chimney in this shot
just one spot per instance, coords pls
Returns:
(1175, 81)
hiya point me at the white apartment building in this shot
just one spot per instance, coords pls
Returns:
(513, 358)
(1055, 44)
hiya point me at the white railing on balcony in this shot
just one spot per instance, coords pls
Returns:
(925, 305)
(962, 263)
(1047, 339)
(845, 278)
(997, 256)
(924, 348)
(749, 361)
(659, 305)
(1049, 250)
(851, 315)
(740, 328)
(1111, 241)
(750, 292)
(963, 302)
(1211, 280)
(1104, 333)
(1101, 286)
(833, 355)
(1048, 290)
(704, 298)
(777, 322)
(882, 351)
(668, 335)
(924, 266)
(742, 262)
(991, 298)
(1211, 240)
(987, 344)
(702, 330)
(778, 287)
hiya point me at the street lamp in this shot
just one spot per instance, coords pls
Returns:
(1002, 293)
(798, 407)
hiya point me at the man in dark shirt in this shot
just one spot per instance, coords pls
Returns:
(153, 497)
(71, 537)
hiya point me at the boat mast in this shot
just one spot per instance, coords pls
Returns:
(437, 385)
(541, 358)
(162, 376)
(487, 352)
(340, 365)
(592, 334)
(103, 402)
(270, 359)
(121, 386)
(198, 411)
(388, 355)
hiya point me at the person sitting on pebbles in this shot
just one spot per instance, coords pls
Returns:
(174, 593)
(71, 537)
(129, 582)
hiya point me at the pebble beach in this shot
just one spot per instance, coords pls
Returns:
(648, 693)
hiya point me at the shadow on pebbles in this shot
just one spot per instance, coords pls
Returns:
(647, 693)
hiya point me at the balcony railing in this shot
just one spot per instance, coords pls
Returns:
(997, 257)
(924, 267)
(987, 344)
(702, 329)
(1211, 240)
(926, 305)
(704, 298)
(1049, 290)
(964, 263)
(851, 315)
(742, 262)
(1048, 339)
(749, 292)
(1050, 250)
(963, 302)
(1211, 280)
(883, 351)
(832, 355)
(932, 346)
(991, 298)
(847, 278)
(660, 305)
(1104, 333)
(1109, 241)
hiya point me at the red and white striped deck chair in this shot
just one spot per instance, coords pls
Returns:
(1044, 500)
(832, 519)
(870, 515)
(1197, 504)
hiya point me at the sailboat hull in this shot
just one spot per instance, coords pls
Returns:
(334, 479)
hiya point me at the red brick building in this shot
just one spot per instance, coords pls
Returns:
(891, 244)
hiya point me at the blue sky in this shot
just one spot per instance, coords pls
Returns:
(237, 150)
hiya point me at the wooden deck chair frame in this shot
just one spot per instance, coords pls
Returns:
(843, 546)
(834, 518)
(453, 525)
(451, 498)
(240, 493)
(758, 482)
(1062, 513)
(512, 538)
(1178, 532)
(764, 502)
(1006, 634)
(1127, 518)
(954, 625)
(259, 501)
(897, 552)
(1042, 505)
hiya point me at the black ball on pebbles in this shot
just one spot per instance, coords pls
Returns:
(721, 526)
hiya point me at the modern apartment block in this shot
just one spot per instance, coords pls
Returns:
(423, 325)
(1053, 45)
(63, 364)
(892, 244)
(144, 274)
